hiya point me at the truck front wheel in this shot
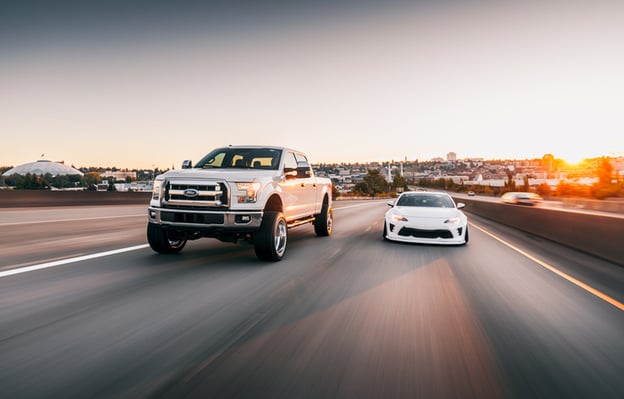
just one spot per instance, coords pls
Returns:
(163, 241)
(270, 241)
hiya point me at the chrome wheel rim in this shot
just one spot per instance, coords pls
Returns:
(173, 243)
(330, 221)
(280, 237)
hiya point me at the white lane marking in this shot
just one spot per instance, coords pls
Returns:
(355, 206)
(72, 220)
(70, 260)
(558, 272)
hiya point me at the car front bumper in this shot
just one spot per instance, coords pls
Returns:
(431, 234)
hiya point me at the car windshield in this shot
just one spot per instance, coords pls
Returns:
(241, 158)
(432, 201)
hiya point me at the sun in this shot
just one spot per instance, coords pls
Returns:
(574, 158)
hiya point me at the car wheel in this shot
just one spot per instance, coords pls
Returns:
(324, 221)
(385, 232)
(466, 236)
(270, 241)
(163, 241)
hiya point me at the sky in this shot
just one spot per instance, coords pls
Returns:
(144, 84)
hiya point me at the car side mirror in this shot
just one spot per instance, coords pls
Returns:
(460, 205)
(391, 204)
(187, 164)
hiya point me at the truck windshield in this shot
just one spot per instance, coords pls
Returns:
(241, 158)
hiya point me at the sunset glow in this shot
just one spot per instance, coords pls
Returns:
(493, 80)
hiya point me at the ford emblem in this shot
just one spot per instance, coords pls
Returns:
(191, 193)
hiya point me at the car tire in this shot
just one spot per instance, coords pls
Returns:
(466, 236)
(324, 221)
(163, 241)
(385, 232)
(270, 241)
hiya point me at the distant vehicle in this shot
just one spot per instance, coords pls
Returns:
(471, 193)
(426, 218)
(521, 198)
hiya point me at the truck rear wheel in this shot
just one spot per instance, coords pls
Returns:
(324, 221)
(270, 241)
(163, 241)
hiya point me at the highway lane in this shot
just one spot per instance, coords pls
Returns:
(35, 235)
(344, 316)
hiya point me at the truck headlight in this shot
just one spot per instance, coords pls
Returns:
(157, 189)
(249, 192)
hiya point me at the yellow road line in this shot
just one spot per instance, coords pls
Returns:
(558, 272)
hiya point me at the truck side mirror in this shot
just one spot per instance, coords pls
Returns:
(187, 164)
(290, 173)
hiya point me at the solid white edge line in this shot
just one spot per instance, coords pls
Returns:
(70, 260)
(578, 283)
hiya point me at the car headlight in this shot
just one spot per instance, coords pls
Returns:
(453, 220)
(248, 192)
(157, 189)
(398, 217)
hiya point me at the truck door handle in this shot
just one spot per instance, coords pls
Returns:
(302, 184)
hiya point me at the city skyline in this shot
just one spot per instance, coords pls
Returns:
(381, 162)
(116, 85)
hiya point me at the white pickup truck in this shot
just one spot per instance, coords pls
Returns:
(234, 193)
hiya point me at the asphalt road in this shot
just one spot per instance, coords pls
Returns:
(347, 316)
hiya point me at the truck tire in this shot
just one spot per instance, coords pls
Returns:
(162, 241)
(324, 221)
(270, 241)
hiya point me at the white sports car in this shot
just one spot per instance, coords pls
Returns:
(426, 218)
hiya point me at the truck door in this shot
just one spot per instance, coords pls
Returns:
(307, 182)
(298, 187)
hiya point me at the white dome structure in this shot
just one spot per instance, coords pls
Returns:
(42, 168)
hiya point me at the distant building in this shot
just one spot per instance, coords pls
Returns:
(43, 167)
(119, 176)
(451, 157)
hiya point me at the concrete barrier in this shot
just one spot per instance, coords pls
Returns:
(598, 235)
(34, 198)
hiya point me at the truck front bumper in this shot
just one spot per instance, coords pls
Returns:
(236, 221)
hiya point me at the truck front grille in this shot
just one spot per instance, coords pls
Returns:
(192, 218)
(193, 194)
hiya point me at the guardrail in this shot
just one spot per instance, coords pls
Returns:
(599, 235)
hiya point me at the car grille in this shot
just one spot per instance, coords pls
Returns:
(417, 233)
(195, 195)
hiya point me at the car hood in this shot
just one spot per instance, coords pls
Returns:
(242, 175)
(426, 212)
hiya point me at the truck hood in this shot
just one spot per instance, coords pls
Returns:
(231, 175)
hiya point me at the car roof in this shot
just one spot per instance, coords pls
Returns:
(520, 193)
(425, 193)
